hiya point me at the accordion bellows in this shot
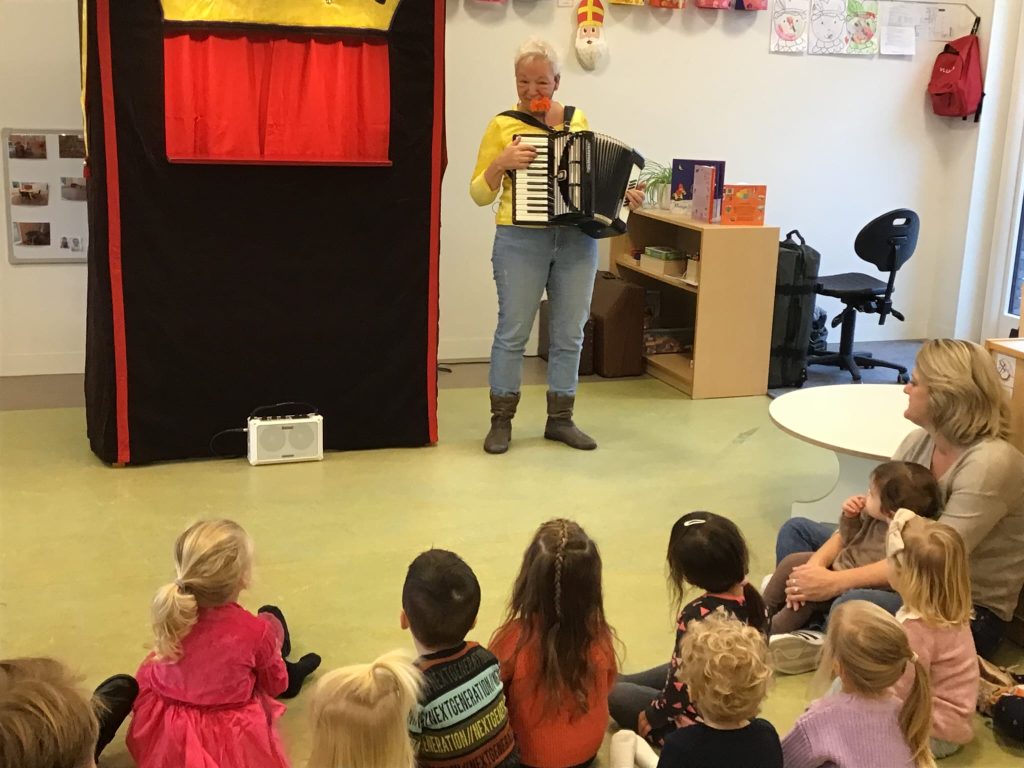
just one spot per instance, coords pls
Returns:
(339, 14)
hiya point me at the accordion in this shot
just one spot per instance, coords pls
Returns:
(578, 178)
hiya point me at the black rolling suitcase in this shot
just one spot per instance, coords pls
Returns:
(795, 284)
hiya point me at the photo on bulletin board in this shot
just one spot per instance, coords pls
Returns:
(44, 175)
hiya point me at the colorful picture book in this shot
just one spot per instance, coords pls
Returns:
(682, 181)
(704, 185)
(743, 204)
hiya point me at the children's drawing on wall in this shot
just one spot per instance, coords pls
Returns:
(827, 27)
(735, 5)
(789, 26)
(861, 27)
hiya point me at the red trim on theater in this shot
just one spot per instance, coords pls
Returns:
(437, 169)
(113, 227)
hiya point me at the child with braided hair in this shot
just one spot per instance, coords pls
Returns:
(556, 650)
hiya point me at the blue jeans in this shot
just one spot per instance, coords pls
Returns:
(798, 534)
(528, 260)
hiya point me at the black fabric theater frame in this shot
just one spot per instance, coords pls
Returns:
(215, 289)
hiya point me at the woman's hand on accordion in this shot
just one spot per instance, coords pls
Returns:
(635, 197)
(516, 156)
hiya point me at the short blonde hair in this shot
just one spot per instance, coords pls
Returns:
(724, 662)
(360, 714)
(45, 720)
(932, 573)
(966, 402)
(535, 48)
(872, 650)
(212, 562)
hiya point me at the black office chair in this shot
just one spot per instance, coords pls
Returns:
(887, 242)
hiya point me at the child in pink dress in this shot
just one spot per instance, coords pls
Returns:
(207, 692)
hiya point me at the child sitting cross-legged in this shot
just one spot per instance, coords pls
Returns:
(440, 600)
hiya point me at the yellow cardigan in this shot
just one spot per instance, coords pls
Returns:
(498, 135)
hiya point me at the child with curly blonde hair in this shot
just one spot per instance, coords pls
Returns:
(724, 662)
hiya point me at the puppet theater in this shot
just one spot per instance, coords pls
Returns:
(242, 208)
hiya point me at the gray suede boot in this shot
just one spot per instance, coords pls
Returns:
(503, 408)
(560, 426)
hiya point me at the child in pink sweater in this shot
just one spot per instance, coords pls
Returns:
(928, 567)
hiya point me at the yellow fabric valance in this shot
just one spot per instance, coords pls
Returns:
(348, 14)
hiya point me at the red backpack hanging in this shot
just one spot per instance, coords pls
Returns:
(956, 87)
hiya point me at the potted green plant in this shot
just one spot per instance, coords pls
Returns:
(657, 179)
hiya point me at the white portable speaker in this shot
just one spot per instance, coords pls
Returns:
(279, 440)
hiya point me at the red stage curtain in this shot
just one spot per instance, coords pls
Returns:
(261, 98)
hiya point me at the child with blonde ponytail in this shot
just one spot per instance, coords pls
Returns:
(360, 715)
(206, 692)
(864, 725)
(928, 566)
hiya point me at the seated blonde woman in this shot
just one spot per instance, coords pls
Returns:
(956, 399)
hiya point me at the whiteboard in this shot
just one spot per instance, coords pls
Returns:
(45, 196)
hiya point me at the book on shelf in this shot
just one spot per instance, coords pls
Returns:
(703, 204)
(743, 204)
(681, 193)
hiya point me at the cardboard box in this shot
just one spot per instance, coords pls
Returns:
(674, 267)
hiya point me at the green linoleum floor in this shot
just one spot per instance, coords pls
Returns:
(83, 547)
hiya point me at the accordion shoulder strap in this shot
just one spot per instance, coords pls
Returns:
(529, 119)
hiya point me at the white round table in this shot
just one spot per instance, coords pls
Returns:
(862, 424)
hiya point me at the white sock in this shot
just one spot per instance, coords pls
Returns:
(628, 750)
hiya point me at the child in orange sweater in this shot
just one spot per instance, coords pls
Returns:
(556, 650)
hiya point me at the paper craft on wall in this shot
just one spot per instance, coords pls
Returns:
(827, 27)
(736, 5)
(861, 34)
(674, 4)
(591, 46)
(789, 26)
(626, 2)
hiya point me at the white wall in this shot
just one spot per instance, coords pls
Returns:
(837, 141)
(42, 307)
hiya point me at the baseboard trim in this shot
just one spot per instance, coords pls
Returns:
(28, 364)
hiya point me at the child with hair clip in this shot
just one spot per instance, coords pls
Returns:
(859, 541)
(864, 725)
(709, 552)
(556, 650)
(360, 715)
(928, 567)
(206, 692)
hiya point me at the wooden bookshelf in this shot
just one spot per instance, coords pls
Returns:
(730, 309)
